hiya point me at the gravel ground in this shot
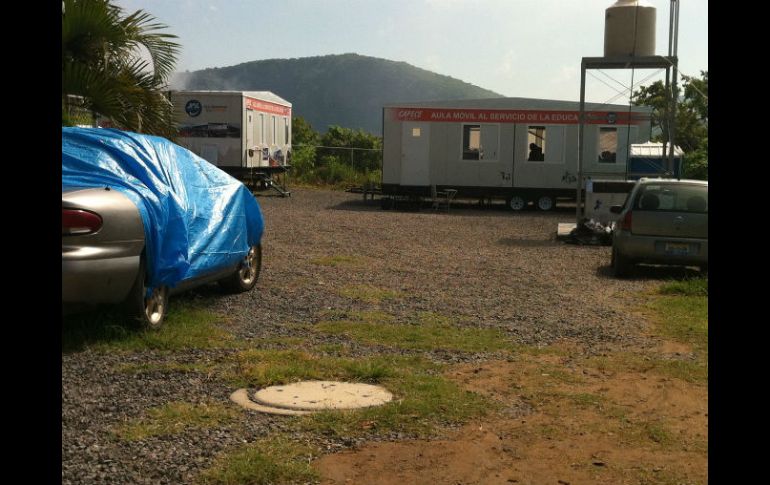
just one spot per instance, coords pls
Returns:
(485, 267)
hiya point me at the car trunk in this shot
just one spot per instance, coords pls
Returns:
(670, 224)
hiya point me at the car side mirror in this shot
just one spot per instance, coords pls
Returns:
(616, 209)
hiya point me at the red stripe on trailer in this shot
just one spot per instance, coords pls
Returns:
(267, 106)
(516, 116)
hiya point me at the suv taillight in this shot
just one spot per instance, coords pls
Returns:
(78, 222)
(625, 223)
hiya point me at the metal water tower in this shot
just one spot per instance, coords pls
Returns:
(629, 43)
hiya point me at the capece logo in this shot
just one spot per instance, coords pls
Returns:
(193, 107)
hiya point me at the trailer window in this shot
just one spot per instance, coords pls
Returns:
(274, 135)
(471, 142)
(261, 138)
(536, 143)
(286, 130)
(480, 142)
(608, 145)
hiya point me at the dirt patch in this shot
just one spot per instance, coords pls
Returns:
(585, 426)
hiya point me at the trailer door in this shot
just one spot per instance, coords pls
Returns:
(251, 154)
(415, 151)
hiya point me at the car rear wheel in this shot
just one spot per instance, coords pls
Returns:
(517, 203)
(545, 203)
(620, 264)
(245, 277)
(150, 309)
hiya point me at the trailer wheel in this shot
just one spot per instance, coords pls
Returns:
(545, 203)
(517, 203)
(386, 203)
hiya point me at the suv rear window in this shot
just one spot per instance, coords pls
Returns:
(673, 197)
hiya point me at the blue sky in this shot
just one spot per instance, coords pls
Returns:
(523, 48)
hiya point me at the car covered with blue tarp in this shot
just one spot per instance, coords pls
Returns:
(142, 217)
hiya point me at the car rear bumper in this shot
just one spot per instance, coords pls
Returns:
(90, 279)
(662, 249)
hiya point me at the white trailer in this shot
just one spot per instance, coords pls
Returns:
(517, 149)
(245, 133)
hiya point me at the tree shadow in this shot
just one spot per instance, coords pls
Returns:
(463, 206)
(84, 326)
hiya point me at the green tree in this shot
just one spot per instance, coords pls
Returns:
(103, 70)
(691, 130)
(304, 140)
(366, 159)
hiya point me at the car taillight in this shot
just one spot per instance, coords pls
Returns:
(79, 222)
(625, 223)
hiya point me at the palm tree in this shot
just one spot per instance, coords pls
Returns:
(104, 72)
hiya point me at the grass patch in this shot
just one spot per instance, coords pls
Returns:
(333, 349)
(645, 432)
(688, 287)
(686, 370)
(174, 418)
(260, 368)
(270, 461)
(584, 400)
(370, 316)
(553, 373)
(683, 319)
(422, 403)
(428, 333)
(368, 293)
(187, 326)
(341, 260)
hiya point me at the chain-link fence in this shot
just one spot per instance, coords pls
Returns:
(339, 166)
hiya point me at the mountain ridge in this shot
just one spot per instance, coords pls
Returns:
(340, 89)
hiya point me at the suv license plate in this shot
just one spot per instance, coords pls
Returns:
(677, 248)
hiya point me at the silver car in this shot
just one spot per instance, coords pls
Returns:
(663, 221)
(103, 259)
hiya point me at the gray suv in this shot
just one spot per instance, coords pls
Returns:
(663, 221)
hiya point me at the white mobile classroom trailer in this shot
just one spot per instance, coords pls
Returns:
(517, 149)
(241, 132)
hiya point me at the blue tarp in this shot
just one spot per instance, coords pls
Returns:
(196, 217)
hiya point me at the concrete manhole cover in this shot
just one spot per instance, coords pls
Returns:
(310, 396)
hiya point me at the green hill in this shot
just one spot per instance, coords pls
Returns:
(347, 90)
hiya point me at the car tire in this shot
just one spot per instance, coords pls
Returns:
(517, 203)
(149, 311)
(545, 203)
(245, 277)
(621, 266)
